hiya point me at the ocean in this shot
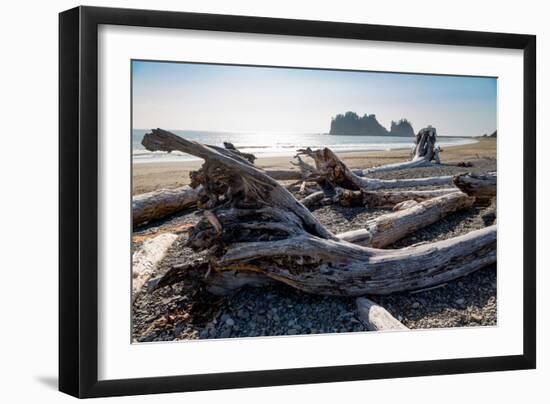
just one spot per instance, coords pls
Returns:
(279, 144)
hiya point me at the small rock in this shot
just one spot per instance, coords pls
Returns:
(229, 322)
(178, 329)
(460, 301)
(415, 305)
(476, 317)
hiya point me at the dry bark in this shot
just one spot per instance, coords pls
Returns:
(481, 186)
(376, 318)
(260, 228)
(158, 204)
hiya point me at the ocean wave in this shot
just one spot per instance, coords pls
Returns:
(141, 155)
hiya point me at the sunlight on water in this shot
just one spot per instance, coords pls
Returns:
(279, 144)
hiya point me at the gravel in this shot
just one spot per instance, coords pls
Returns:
(170, 314)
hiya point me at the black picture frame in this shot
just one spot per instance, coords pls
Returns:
(78, 201)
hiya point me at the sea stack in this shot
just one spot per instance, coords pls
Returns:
(352, 124)
(401, 128)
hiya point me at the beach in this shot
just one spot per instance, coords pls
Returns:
(152, 176)
(172, 314)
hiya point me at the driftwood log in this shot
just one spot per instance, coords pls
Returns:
(376, 318)
(376, 199)
(425, 153)
(330, 169)
(410, 216)
(256, 226)
(162, 203)
(481, 186)
(386, 199)
(146, 259)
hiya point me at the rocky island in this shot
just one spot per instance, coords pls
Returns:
(401, 128)
(352, 124)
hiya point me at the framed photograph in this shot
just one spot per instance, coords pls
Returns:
(251, 201)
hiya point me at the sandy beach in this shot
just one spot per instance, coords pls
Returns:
(151, 176)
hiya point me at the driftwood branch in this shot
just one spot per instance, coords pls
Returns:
(158, 204)
(376, 318)
(265, 230)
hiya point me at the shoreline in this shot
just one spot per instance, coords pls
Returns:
(291, 151)
(151, 176)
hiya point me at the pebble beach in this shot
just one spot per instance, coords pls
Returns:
(168, 314)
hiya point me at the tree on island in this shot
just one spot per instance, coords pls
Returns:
(351, 124)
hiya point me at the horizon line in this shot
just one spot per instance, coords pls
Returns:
(295, 133)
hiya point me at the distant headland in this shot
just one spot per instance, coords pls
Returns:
(352, 124)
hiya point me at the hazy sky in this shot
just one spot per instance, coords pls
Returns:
(248, 99)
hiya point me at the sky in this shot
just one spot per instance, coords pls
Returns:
(229, 98)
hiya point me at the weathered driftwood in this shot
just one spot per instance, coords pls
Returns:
(376, 318)
(386, 229)
(329, 168)
(146, 259)
(157, 231)
(313, 199)
(386, 199)
(376, 199)
(425, 153)
(265, 230)
(226, 180)
(481, 186)
(296, 174)
(159, 204)
(444, 180)
(284, 175)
